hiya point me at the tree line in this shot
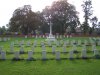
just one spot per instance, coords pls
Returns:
(61, 14)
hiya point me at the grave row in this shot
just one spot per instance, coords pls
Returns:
(53, 47)
(4, 39)
(45, 36)
(57, 43)
(57, 53)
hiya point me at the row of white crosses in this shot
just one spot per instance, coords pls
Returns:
(54, 51)
(66, 43)
(22, 43)
(56, 36)
(39, 36)
(57, 43)
(4, 39)
(94, 41)
(53, 48)
(64, 36)
(35, 42)
(17, 55)
(22, 46)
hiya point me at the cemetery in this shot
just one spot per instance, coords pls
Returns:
(49, 37)
(38, 52)
(39, 48)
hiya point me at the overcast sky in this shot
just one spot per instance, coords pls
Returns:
(7, 7)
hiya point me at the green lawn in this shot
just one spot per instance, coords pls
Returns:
(49, 67)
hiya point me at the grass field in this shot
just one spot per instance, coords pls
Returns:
(49, 67)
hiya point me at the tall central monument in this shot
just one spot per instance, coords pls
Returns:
(50, 37)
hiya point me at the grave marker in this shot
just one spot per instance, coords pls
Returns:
(30, 56)
(84, 47)
(5, 39)
(26, 36)
(16, 56)
(36, 36)
(84, 54)
(65, 43)
(43, 47)
(33, 48)
(57, 36)
(79, 43)
(49, 43)
(11, 48)
(35, 43)
(74, 48)
(53, 49)
(68, 42)
(71, 54)
(44, 55)
(93, 47)
(85, 42)
(64, 49)
(57, 55)
(21, 50)
(28, 44)
(3, 55)
(57, 43)
(22, 42)
(0, 49)
(43, 36)
(0, 39)
(42, 43)
(96, 52)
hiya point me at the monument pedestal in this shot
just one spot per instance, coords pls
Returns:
(50, 38)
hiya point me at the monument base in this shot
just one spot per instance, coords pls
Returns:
(50, 38)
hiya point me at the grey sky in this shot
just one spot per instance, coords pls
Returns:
(7, 7)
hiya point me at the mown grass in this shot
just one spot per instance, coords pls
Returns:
(49, 67)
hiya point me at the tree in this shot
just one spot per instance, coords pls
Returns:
(87, 6)
(98, 24)
(94, 21)
(24, 20)
(44, 28)
(3, 30)
(97, 27)
(62, 15)
(85, 27)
